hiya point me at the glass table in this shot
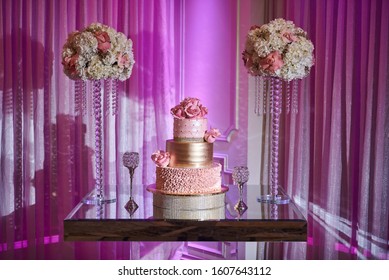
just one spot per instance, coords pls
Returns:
(111, 222)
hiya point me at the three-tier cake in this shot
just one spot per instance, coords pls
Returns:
(187, 178)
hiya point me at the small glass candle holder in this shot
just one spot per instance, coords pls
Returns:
(240, 175)
(131, 161)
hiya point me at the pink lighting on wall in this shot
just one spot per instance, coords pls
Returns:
(209, 58)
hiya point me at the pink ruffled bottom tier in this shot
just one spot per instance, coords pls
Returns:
(184, 181)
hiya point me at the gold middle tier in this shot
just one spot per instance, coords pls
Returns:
(189, 154)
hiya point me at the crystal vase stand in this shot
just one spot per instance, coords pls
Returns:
(276, 108)
(99, 197)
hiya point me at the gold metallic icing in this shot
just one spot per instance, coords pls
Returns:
(189, 154)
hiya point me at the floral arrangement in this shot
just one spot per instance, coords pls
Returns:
(97, 52)
(161, 158)
(189, 108)
(278, 49)
(211, 135)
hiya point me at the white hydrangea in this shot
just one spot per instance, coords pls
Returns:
(82, 57)
(290, 43)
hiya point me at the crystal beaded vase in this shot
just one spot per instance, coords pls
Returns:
(275, 110)
(100, 196)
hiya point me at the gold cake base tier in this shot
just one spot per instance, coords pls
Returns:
(209, 206)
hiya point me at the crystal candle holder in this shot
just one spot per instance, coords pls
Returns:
(240, 175)
(131, 161)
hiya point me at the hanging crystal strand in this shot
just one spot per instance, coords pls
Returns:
(276, 111)
(77, 97)
(97, 108)
(260, 96)
(83, 97)
(271, 89)
(295, 97)
(280, 89)
(90, 97)
(114, 97)
(265, 83)
(256, 90)
(18, 146)
(288, 97)
(107, 95)
(258, 93)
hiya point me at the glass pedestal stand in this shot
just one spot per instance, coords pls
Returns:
(131, 161)
(240, 175)
(240, 206)
(99, 197)
(276, 107)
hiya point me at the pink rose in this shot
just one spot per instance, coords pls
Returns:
(189, 108)
(123, 60)
(272, 62)
(254, 27)
(178, 112)
(70, 64)
(247, 60)
(103, 41)
(203, 111)
(211, 135)
(288, 37)
(161, 158)
(193, 108)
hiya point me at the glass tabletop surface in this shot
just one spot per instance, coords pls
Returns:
(145, 199)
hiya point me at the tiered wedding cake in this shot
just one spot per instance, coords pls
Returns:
(187, 178)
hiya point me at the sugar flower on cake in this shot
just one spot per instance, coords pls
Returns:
(97, 52)
(211, 135)
(161, 158)
(278, 49)
(189, 108)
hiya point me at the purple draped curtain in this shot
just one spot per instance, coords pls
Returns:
(336, 149)
(47, 149)
(335, 162)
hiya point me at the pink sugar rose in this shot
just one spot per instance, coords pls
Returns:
(189, 108)
(123, 60)
(288, 37)
(178, 112)
(272, 62)
(161, 158)
(211, 135)
(192, 111)
(103, 41)
(193, 108)
(70, 64)
(204, 111)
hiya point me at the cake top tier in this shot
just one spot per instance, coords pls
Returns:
(189, 108)
(189, 130)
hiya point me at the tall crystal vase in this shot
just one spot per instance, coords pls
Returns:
(101, 195)
(275, 90)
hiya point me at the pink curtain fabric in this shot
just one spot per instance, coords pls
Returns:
(46, 149)
(336, 148)
(336, 160)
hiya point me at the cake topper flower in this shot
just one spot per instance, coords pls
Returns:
(97, 52)
(189, 108)
(161, 158)
(211, 135)
(278, 49)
